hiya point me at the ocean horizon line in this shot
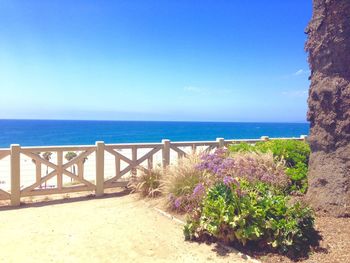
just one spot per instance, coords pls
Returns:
(166, 121)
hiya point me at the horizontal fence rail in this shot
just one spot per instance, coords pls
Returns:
(35, 171)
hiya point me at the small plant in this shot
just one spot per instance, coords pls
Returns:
(70, 156)
(235, 211)
(184, 183)
(148, 184)
(47, 156)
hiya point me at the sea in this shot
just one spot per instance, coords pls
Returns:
(74, 132)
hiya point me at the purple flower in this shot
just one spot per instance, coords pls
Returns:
(217, 163)
(228, 180)
(199, 190)
(177, 202)
(250, 167)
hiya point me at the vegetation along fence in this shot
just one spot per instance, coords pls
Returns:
(34, 171)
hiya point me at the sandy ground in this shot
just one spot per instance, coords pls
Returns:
(118, 228)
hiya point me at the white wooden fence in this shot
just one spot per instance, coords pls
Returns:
(26, 171)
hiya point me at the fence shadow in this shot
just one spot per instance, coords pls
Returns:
(63, 199)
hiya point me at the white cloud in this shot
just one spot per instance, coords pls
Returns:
(301, 72)
(297, 74)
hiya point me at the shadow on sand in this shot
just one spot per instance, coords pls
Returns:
(63, 199)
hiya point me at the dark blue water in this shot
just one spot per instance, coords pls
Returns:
(58, 132)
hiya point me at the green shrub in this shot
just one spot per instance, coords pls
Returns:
(295, 153)
(246, 213)
(241, 147)
(290, 150)
(298, 176)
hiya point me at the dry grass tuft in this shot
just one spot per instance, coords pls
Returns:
(181, 179)
(148, 184)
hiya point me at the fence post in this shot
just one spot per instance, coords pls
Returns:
(15, 175)
(221, 142)
(303, 137)
(100, 167)
(166, 153)
(264, 138)
(134, 161)
(59, 169)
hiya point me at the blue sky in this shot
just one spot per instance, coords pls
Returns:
(154, 60)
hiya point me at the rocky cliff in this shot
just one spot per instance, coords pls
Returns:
(328, 46)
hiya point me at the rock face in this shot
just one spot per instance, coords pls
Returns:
(329, 107)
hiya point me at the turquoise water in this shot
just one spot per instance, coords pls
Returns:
(59, 132)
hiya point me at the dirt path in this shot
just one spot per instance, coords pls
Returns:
(118, 229)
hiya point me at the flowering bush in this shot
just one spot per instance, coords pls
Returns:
(261, 167)
(241, 212)
(254, 167)
(184, 184)
(294, 153)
